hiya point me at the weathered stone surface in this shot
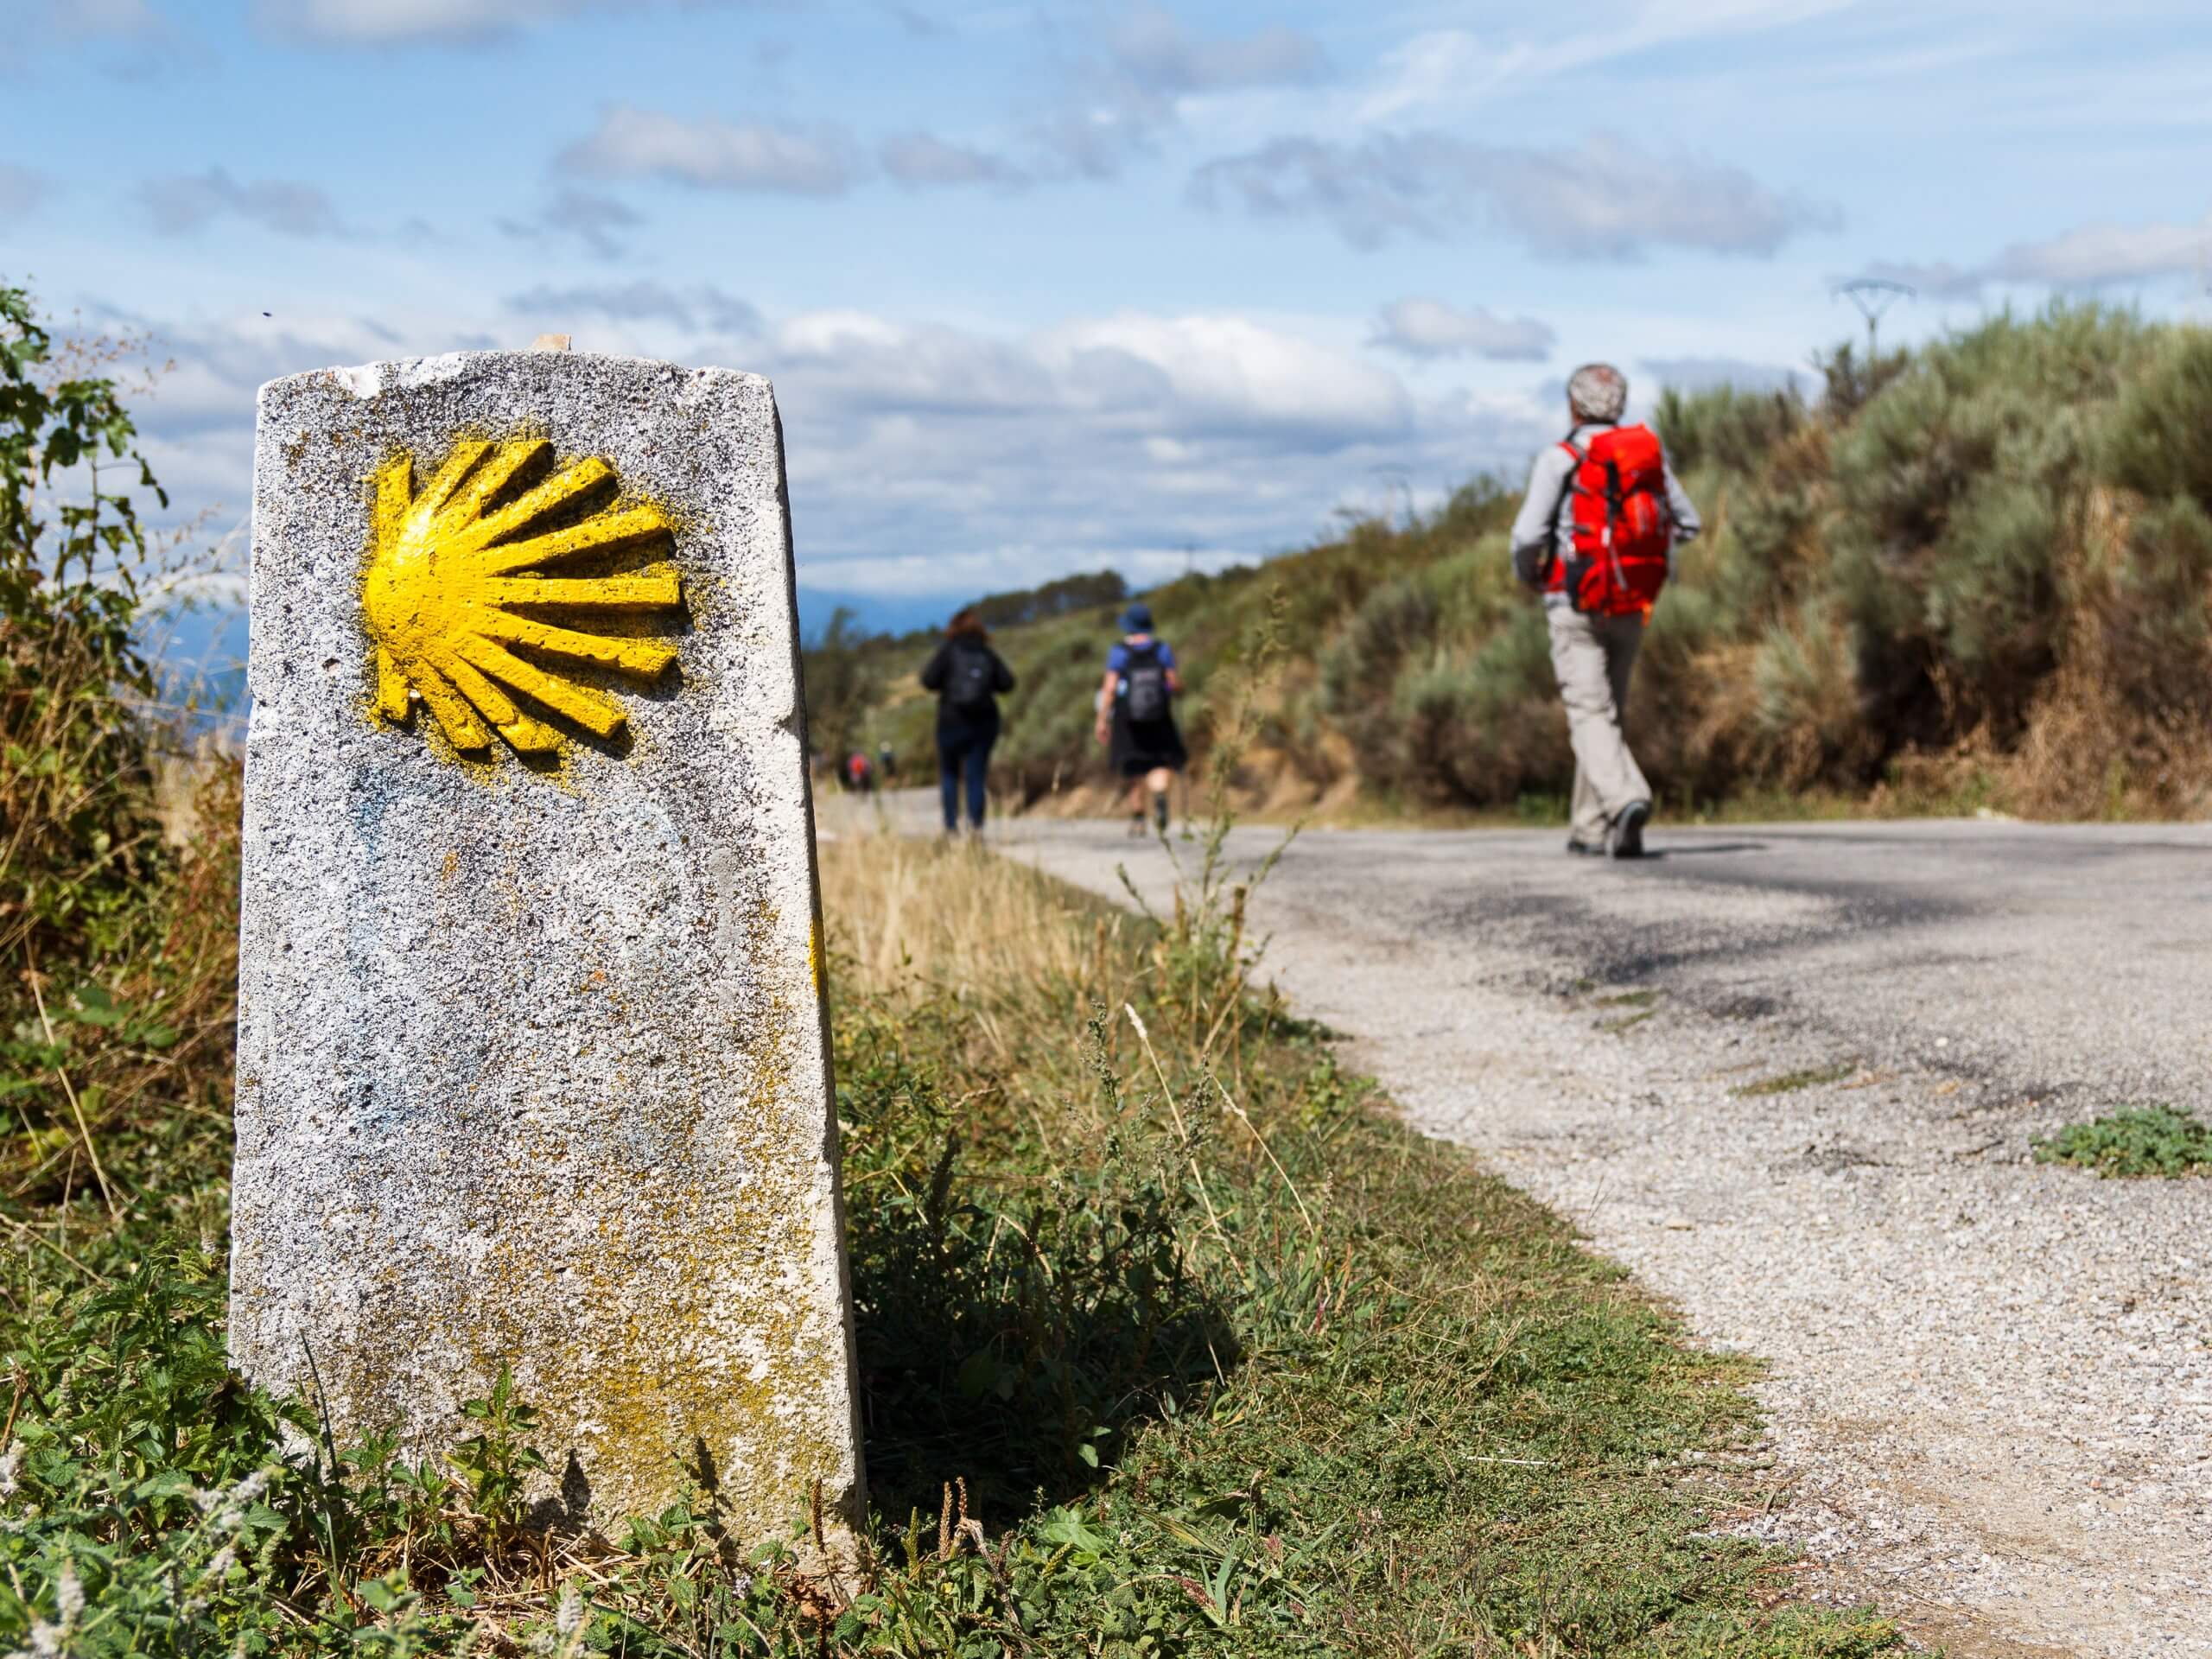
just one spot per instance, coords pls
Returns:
(532, 1062)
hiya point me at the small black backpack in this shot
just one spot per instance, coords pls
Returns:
(1146, 679)
(970, 679)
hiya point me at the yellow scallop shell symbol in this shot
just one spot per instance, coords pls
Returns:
(456, 595)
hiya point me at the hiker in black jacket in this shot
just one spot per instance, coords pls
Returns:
(968, 679)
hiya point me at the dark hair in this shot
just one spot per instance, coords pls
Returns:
(966, 624)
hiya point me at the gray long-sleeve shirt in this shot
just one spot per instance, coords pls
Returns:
(1544, 526)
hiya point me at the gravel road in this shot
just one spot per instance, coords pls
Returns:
(1991, 1388)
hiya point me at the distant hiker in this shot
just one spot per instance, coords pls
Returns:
(968, 679)
(1136, 716)
(1596, 533)
(860, 773)
(887, 762)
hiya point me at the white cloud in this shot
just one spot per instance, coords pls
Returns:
(1147, 69)
(2101, 255)
(1223, 374)
(927, 459)
(384, 23)
(2097, 256)
(1604, 200)
(391, 22)
(106, 19)
(127, 39)
(1126, 435)
(1939, 281)
(1450, 69)
(921, 158)
(701, 308)
(196, 425)
(1429, 328)
(1151, 46)
(632, 143)
(190, 201)
(597, 221)
(867, 367)
(1439, 66)
(1703, 373)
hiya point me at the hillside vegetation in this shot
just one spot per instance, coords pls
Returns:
(1971, 575)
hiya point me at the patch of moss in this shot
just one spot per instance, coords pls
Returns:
(1791, 1082)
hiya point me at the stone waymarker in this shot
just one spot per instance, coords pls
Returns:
(531, 1051)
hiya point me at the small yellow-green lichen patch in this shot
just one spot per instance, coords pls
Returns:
(455, 597)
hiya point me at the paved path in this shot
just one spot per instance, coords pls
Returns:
(1991, 1383)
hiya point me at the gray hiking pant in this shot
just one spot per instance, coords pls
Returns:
(1593, 657)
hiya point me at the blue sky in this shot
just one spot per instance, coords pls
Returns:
(1046, 287)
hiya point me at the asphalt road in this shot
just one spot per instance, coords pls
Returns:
(1790, 1075)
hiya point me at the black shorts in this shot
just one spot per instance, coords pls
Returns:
(1139, 747)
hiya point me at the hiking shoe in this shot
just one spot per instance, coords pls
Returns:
(1625, 835)
(1585, 848)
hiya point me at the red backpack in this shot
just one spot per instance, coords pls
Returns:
(1622, 528)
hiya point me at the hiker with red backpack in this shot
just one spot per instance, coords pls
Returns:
(1596, 534)
(1136, 716)
(968, 679)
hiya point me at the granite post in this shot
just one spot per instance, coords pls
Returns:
(532, 1053)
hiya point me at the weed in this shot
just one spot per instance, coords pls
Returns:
(1789, 1082)
(2138, 1141)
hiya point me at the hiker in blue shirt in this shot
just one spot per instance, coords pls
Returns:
(969, 678)
(1136, 717)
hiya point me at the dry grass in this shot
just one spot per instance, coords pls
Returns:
(909, 917)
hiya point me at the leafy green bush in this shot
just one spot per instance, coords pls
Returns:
(1724, 428)
(1948, 535)
(2136, 1142)
(73, 783)
(842, 686)
(2161, 437)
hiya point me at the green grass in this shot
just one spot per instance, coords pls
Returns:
(1789, 1082)
(1409, 1414)
(1294, 1381)
(2139, 1141)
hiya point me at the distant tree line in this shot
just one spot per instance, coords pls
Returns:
(1079, 592)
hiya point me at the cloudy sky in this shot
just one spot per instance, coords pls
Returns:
(1048, 286)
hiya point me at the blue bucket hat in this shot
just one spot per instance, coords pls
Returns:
(1137, 619)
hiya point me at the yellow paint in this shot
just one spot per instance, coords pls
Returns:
(448, 574)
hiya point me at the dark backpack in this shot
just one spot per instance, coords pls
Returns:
(1146, 676)
(969, 680)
